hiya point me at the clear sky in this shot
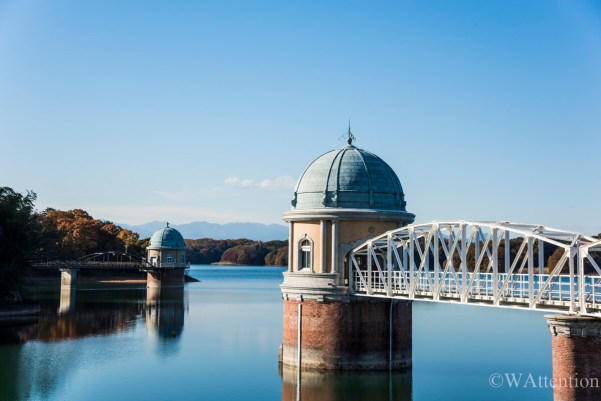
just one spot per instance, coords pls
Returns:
(185, 111)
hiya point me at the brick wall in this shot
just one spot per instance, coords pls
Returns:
(576, 347)
(338, 335)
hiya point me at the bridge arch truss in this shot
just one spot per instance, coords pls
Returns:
(498, 264)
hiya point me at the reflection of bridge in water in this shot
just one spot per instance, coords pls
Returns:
(96, 312)
(103, 311)
(85, 313)
(163, 309)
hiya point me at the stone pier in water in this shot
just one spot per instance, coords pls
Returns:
(576, 348)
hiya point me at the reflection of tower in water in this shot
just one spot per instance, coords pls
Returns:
(316, 385)
(165, 312)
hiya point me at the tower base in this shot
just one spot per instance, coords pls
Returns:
(576, 347)
(351, 334)
(165, 278)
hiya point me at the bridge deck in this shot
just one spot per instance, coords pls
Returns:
(514, 292)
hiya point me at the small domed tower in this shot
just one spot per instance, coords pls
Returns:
(167, 254)
(343, 198)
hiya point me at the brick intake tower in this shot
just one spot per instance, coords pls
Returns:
(342, 199)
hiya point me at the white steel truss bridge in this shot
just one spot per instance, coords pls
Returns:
(498, 264)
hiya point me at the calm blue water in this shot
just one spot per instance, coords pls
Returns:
(218, 340)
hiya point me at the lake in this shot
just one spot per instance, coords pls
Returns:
(218, 339)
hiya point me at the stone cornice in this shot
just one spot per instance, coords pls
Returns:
(574, 325)
(348, 214)
(313, 286)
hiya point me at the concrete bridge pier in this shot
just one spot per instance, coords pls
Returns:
(68, 277)
(67, 295)
(576, 348)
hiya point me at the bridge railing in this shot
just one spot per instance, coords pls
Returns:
(429, 261)
(98, 263)
(555, 296)
(77, 264)
(165, 265)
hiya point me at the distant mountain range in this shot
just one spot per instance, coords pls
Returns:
(203, 229)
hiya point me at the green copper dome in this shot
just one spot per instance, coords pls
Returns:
(349, 178)
(167, 237)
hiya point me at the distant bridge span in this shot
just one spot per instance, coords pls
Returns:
(158, 274)
(100, 260)
(430, 262)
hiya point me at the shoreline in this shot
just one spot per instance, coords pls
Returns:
(239, 264)
(103, 279)
(108, 279)
(19, 310)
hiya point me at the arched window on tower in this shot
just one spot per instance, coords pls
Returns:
(305, 257)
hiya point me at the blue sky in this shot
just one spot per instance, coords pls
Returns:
(184, 111)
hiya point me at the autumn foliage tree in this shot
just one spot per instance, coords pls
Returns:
(208, 250)
(255, 254)
(74, 233)
(277, 257)
(244, 255)
(18, 233)
(237, 251)
(555, 258)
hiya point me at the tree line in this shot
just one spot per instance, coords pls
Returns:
(237, 251)
(28, 235)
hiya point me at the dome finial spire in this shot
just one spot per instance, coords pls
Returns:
(350, 138)
(167, 224)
